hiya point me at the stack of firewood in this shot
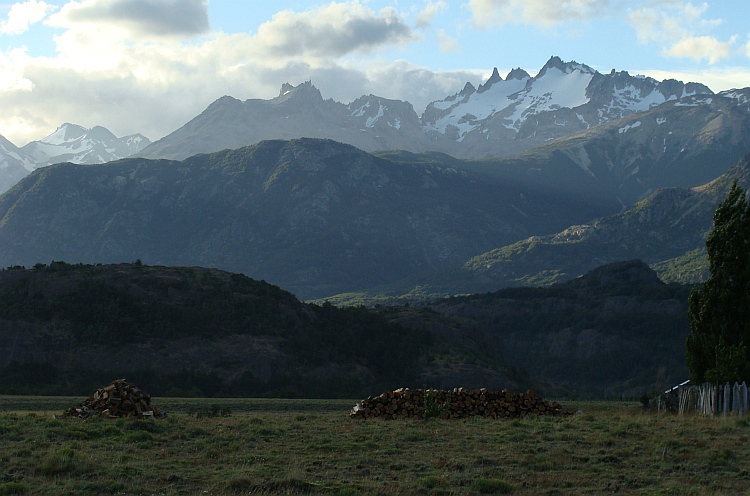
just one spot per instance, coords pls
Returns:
(119, 399)
(459, 403)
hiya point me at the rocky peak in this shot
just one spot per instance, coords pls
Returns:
(556, 62)
(468, 90)
(66, 132)
(495, 78)
(304, 91)
(517, 73)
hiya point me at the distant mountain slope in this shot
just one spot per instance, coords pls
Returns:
(667, 230)
(667, 225)
(78, 145)
(681, 143)
(314, 216)
(370, 123)
(69, 143)
(505, 117)
(500, 118)
(14, 164)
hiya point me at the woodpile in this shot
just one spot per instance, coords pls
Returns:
(459, 403)
(119, 399)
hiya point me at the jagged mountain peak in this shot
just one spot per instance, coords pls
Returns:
(517, 73)
(556, 62)
(304, 90)
(468, 90)
(495, 78)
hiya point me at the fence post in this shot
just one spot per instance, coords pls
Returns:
(743, 399)
(714, 388)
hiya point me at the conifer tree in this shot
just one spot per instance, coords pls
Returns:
(718, 347)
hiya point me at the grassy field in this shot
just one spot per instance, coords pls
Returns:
(313, 447)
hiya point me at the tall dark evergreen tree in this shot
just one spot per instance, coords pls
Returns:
(718, 348)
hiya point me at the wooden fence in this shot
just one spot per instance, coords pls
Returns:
(705, 399)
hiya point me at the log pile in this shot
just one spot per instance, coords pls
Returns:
(455, 404)
(119, 399)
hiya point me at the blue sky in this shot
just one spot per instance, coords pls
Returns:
(149, 66)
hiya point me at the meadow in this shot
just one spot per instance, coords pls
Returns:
(267, 446)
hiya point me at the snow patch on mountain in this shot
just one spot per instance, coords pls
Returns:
(629, 126)
(373, 119)
(464, 113)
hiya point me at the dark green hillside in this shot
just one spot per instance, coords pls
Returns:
(617, 330)
(313, 216)
(189, 330)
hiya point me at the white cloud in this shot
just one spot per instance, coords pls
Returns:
(716, 79)
(447, 43)
(418, 85)
(333, 30)
(701, 47)
(424, 18)
(118, 73)
(22, 15)
(681, 29)
(536, 12)
(11, 77)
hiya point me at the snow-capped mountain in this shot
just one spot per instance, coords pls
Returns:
(507, 116)
(501, 117)
(69, 143)
(78, 145)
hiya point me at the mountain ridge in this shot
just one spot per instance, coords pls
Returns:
(68, 143)
(501, 117)
(315, 216)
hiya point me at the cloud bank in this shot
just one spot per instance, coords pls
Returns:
(149, 66)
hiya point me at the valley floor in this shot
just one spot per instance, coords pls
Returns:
(313, 447)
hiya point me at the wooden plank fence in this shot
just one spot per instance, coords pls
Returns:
(705, 399)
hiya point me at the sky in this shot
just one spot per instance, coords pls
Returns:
(149, 66)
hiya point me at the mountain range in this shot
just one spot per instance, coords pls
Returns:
(314, 216)
(502, 117)
(522, 181)
(322, 218)
(69, 143)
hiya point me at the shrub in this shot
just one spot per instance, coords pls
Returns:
(12, 488)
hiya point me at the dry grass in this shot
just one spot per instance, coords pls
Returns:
(291, 447)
